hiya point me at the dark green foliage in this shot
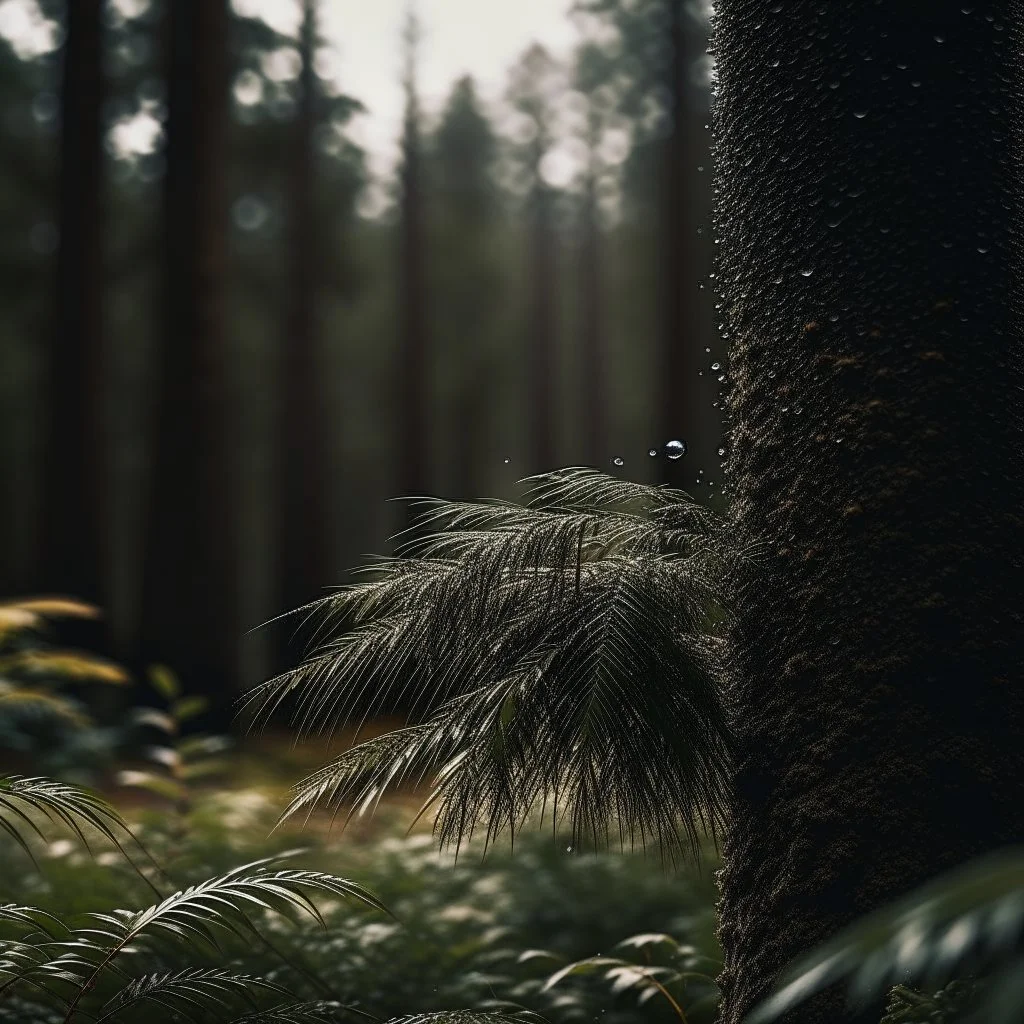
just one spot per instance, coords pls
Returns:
(560, 656)
(961, 934)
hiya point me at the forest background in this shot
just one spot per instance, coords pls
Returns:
(225, 341)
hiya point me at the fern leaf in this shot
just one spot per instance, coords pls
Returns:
(558, 654)
(191, 993)
(968, 922)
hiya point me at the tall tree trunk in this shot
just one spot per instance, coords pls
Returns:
(190, 617)
(471, 422)
(869, 214)
(414, 436)
(304, 538)
(593, 341)
(74, 504)
(542, 362)
(685, 408)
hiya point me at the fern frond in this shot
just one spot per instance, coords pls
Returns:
(72, 806)
(227, 903)
(466, 1017)
(317, 1012)
(557, 656)
(25, 707)
(969, 922)
(190, 994)
(31, 917)
(76, 666)
(18, 617)
(55, 607)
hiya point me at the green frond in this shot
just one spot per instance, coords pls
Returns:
(969, 922)
(191, 994)
(556, 656)
(193, 918)
(229, 901)
(466, 1017)
(32, 917)
(27, 708)
(72, 666)
(72, 806)
(317, 1012)
(29, 614)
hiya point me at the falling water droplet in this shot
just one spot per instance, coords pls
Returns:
(675, 449)
(568, 849)
(721, 451)
(806, 273)
(617, 461)
(716, 366)
(653, 453)
(507, 461)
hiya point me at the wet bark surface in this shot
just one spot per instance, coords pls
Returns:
(868, 265)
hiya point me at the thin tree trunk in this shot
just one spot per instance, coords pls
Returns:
(542, 363)
(593, 340)
(190, 613)
(414, 436)
(73, 524)
(304, 538)
(868, 216)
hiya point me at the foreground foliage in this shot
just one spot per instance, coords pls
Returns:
(484, 937)
(558, 655)
(960, 939)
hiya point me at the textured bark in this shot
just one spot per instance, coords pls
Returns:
(414, 342)
(73, 523)
(304, 528)
(190, 612)
(867, 215)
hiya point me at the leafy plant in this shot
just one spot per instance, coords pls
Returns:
(74, 807)
(175, 762)
(559, 655)
(41, 713)
(55, 970)
(651, 965)
(966, 926)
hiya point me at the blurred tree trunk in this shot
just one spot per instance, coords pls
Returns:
(869, 216)
(593, 341)
(414, 341)
(304, 537)
(73, 527)
(685, 410)
(541, 352)
(189, 615)
(466, 284)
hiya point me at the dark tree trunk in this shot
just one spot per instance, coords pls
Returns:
(190, 616)
(304, 539)
(469, 441)
(73, 524)
(414, 342)
(685, 408)
(866, 181)
(542, 363)
(593, 341)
